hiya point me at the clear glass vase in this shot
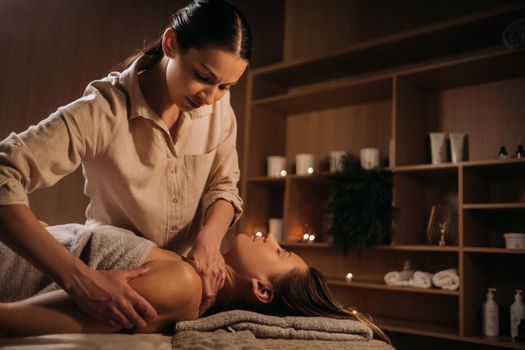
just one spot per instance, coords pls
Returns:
(441, 229)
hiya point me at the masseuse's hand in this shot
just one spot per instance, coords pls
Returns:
(207, 260)
(107, 296)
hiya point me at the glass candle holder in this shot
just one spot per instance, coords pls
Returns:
(441, 229)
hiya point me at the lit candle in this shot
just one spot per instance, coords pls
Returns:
(310, 171)
(349, 277)
(311, 238)
(306, 237)
(283, 173)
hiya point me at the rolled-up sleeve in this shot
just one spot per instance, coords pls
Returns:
(46, 152)
(225, 173)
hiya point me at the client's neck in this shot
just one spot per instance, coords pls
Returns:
(234, 289)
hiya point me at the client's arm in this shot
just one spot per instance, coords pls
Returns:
(172, 287)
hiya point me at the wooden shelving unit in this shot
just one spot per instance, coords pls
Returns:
(393, 91)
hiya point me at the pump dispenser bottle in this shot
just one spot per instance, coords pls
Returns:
(490, 315)
(517, 313)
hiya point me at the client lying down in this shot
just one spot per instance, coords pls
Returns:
(261, 277)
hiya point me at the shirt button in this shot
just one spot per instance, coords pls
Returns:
(174, 228)
(175, 200)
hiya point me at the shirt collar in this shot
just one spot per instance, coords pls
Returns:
(138, 107)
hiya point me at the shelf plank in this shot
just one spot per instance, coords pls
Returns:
(382, 286)
(493, 206)
(395, 247)
(498, 162)
(489, 250)
(418, 328)
(321, 245)
(493, 162)
(323, 98)
(419, 248)
(501, 342)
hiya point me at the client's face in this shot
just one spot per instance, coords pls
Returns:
(261, 257)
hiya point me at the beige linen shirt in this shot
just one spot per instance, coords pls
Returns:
(137, 176)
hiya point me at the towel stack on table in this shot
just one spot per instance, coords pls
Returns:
(273, 327)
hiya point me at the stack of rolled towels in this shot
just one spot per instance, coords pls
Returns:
(447, 279)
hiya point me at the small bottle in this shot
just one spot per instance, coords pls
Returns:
(520, 152)
(503, 152)
(490, 315)
(517, 313)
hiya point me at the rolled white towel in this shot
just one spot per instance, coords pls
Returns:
(398, 278)
(446, 279)
(421, 279)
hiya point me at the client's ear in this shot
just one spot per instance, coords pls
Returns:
(262, 290)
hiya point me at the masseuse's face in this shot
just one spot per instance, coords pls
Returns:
(196, 77)
(261, 257)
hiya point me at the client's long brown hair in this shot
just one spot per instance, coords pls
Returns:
(306, 294)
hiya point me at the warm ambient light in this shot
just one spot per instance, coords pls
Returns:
(308, 238)
(283, 173)
(310, 170)
(259, 234)
(349, 277)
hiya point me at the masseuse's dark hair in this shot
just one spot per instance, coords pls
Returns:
(216, 23)
(306, 294)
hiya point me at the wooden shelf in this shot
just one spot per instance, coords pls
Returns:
(419, 328)
(493, 206)
(395, 247)
(322, 245)
(419, 248)
(348, 93)
(485, 163)
(501, 342)
(383, 286)
(489, 250)
(482, 68)
(474, 31)
(449, 76)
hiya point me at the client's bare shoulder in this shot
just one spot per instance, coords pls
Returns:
(173, 288)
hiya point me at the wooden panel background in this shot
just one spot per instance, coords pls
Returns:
(321, 132)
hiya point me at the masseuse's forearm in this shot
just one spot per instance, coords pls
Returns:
(24, 234)
(218, 219)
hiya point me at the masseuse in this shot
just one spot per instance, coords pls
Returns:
(156, 143)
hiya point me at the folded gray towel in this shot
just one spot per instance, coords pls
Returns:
(288, 327)
(102, 248)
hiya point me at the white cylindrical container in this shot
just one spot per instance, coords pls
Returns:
(457, 146)
(514, 240)
(438, 146)
(490, 315)
(337, 159)
(276, 166)
(369, 158)
(517, 313)
(276, 228)
(304, 164)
